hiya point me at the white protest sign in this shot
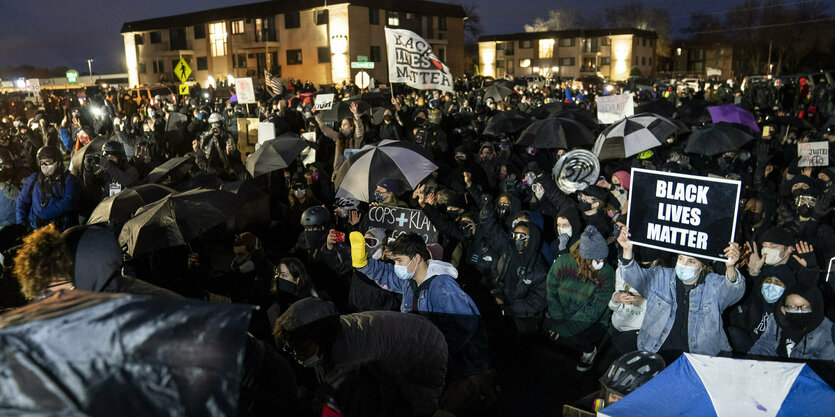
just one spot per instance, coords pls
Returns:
(610, 109)
(323, 102)
(266, 131)
(813, 154)
(411, 61)
(245, 91)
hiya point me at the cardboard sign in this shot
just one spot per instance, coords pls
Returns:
(400, 220)
(245, 91)
(813, 154)
(323, 102)
(610, 109)
(684, 214)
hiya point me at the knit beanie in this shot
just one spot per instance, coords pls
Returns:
(593, 244)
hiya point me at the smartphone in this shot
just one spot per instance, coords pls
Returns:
(766, 132)
(338, 237)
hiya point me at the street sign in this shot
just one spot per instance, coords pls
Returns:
(184, 90)
(362, 79)
(72, 76)
(35, 84)
(362, 65)
(182, 70)
(362, 58)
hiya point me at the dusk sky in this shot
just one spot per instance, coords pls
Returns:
(51, 33)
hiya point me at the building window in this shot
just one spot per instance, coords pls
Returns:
(373, 16)
(500, 65)
(500, 46)
(528, 44)
(239, 61)
(508, 50)
(238, 27)
(324, 53)
(322, 17)
(643, 41)
(442, 23)
(442, 54)
(546, 48)
(202, 63)
(566, 62)
(392, 18)
(159, 67)
(178, 39)
(524, 63)
(292, 20)
(606, 41)
(567, 42)
(265, 29)
(138, 39)
(605, 60)
(590, 46)
(156, 37)
(294, 57)
(217, 36)
(635, 61)
(441, 35)
(140, 68)
(374, 55)
(410, 16)
(199, 31)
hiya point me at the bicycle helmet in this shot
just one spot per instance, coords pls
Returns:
(316, 216)
(631, 370)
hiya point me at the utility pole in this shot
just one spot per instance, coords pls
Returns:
(90, 68)
(768, 68)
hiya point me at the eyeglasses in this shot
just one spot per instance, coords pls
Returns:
(519, 236)
(804, 308)
(47, 164)
(467, 225)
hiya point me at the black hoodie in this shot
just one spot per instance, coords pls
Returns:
(572, 214)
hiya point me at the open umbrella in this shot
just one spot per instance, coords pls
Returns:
(717, 138)
(553, 133)
(794, 122)
(662, 107)
(85, 353)
(170, 171)
(342, 110)
(233, 99)
(275, 154)
(552, 109)
(199, 180)
(399, 160)
(633, 135)
(585, 117)
(733, 114)
(510, 121)
(119, 208)
(254, 204)
(694, 112)
(497, 92)
(77, 160)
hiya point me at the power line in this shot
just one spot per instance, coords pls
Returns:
(828, 19)
(762, 6)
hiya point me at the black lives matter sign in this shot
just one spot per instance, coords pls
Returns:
(684, 214)
(398, 220)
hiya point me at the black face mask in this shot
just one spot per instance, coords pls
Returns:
(585, 206)
(387, 118)
(503, 210)
(805, 211)
(800, 321)
(286, 286)
(466, 228)
(520, 245)
(750, 218)
(454, 214)
(313, 238)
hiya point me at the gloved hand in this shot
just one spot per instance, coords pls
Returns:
(563, 241)
(358, 257)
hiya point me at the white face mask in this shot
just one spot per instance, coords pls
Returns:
(772, 256)
(48, 170)
(597, 265)
(564, 230)
(299, 193)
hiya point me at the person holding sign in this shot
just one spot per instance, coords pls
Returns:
(351, 132)
(685, 303)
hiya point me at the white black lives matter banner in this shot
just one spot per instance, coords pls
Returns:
(412, 62)
(402, 220)
(684, 214)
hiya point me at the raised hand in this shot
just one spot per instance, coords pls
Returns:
(805, 254)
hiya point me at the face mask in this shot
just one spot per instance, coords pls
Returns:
(771, 292)
(454, 213)
(247, 267)
(151, 114)
(751, 218)
(347, 132)
(378, 197)
(520, 245)
(48, 170)
(502, 176)
(315, 177)
(503, 210)
(299, 193)
(312, 361)
(772, 256)
(387, 118)
(313, 237)
(686, 273)
(285, 286)
(799, 319)
(564, 230)
(805, 211)
(597, 265)
(466, 228)
(402, 271)
(585, 206)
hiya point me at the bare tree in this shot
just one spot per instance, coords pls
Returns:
(559, 19)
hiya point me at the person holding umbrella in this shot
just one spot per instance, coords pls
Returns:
(350, 135)
(386, 194)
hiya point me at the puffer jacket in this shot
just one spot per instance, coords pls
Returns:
(60, 206)
(707, 302)
(408, 345)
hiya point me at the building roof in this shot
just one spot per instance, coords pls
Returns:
(266, 8)
(574, 33)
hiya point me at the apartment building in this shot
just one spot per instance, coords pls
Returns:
(608, 53)
(312, 40)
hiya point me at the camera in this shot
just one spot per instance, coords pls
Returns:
(92, 162)
(215, 131)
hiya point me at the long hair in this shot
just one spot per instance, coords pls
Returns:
(297, 269)
(584, 268)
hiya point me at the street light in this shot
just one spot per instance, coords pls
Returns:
(90, 68)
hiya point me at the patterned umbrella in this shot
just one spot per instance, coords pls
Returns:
(633, 135)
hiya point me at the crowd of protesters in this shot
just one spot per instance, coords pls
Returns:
(519, 262)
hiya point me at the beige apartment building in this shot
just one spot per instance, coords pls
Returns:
(608, 53)
(312, 40)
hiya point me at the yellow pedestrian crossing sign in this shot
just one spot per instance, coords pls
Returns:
(182, 71)
(184, 90)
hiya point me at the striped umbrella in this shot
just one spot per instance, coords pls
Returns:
(400, 160)
(633, 135)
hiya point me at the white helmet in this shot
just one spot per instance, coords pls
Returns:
(215, 118)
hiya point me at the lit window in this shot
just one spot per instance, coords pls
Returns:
(524, 63)
(393, 19)
(546, 48)
(238, 27)
(217, 36)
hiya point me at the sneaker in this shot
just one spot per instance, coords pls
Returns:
(586, 360)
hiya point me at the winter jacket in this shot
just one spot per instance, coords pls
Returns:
(8, 196)
(574, 305)
(817, 345)
(410, 347)
(37, 208)
(707, 302)
(441, 299)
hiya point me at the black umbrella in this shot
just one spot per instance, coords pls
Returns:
(510, 121)
(373, 98)
(275, 154)
(792, 122)
(199, 180)
(717, 138)
(552, 109)
(77, 160)
(119, 208)
(255, 204)
(497, 92)
(662, 107)
(694, 112)
(551, 134)
(342, 110)
(85, 353)
(583, 116)
(633, 135)
(170, 171)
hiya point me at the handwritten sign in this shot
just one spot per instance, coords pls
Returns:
(610, 109)
(813, 154)
(400, 220)
(323, 102)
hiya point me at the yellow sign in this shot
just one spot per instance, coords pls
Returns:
(182, 71)
(184, 90)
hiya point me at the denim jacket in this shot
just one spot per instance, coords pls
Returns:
(818, 344)
(707, 301)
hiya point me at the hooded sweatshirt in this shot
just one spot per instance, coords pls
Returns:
(572, 214)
